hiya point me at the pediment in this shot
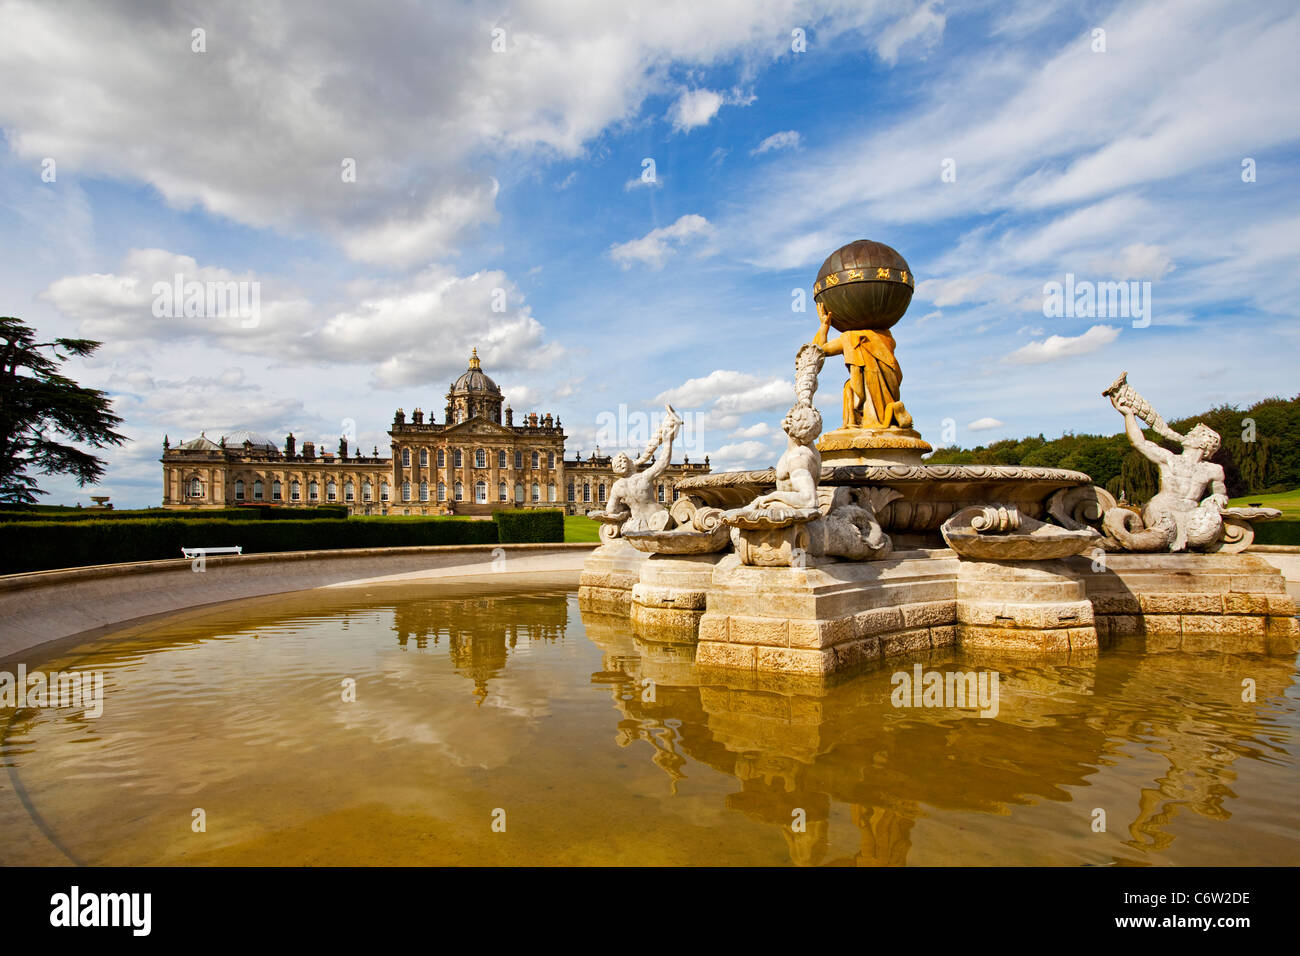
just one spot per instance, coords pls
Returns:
(478, 425)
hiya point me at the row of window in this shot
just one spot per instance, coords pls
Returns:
(195, 490)
(480, 492)
(480, 458)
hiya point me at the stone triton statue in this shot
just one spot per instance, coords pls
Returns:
(1181, 516)
(633, 504)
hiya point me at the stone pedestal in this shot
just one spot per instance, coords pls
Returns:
(669, 597)
(1023, 606)
(828, 617)
(1235, 603)
(608, 576)
(872, 446)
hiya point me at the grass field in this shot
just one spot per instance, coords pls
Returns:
(580, 528)
(1286, 530)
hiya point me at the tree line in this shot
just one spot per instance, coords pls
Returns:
(1260, 453)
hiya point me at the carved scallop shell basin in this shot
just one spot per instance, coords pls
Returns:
(930, 494)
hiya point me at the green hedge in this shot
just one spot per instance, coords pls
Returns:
(243, 513)
(44, 545)
(529, 525)
(1284, 531)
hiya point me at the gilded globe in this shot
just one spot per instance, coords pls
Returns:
(864, 285)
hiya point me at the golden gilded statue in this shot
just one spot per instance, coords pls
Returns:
(872, 396)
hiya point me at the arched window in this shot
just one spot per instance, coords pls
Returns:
(600, 493)
(480, 458)
(458, 460)
(406, 457)
(331, 490)
(550, 459)
(676, 494)
(661, 492)
(239, 489)
(258, 490)
(460, 491)
(424, 458)
(366, 490)
(519, 492)
(442, 491)
(196, 488)
(383, 491)
(349, 490)
(406, 491)
(276, 490)
(586, 491)
(295, 490)
(550, 492)
(313, 491)
(501, 492)
(480, 492)
(571, 495)
(424, 491)
(442, 458)
(536, 461)
(537, 492)
(501, 458)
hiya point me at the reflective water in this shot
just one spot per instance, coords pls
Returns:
(481, 704)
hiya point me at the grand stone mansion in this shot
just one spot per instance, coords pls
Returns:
(473, 463)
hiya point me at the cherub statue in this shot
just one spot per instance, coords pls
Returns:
(799, 516)
(1181, 515)
(632, 499)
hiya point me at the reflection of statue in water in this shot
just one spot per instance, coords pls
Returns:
(633, 493)
(872, 395)
(1177, 518)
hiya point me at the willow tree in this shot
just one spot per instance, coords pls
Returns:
(42, 412)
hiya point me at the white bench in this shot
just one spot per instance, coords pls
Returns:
(204, 552)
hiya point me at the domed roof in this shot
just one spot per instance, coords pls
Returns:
(474, 379)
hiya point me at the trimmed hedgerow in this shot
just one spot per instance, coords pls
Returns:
(531, 525)
(241, 513)
(44, 545)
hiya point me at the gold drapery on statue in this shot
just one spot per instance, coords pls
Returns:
(872, 394)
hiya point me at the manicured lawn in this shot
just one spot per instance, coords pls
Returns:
(580, 528)
(1286, 530)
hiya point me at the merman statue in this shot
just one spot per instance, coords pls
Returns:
(1181, 516)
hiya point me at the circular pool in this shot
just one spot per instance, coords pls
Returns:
(481, 722)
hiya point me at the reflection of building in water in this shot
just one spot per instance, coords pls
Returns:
(480, 632)
(806, 745)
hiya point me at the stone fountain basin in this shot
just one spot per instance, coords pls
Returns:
(680, 540)
(928, 495)
(1044, 543)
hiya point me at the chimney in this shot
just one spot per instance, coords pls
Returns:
(417, 417)
(290, 446)
(343, 449)
(399, 418)
(532, 419)
(308, 451)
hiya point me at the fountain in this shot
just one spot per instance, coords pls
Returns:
(853, 548)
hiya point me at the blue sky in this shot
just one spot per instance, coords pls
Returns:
(520, 169)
